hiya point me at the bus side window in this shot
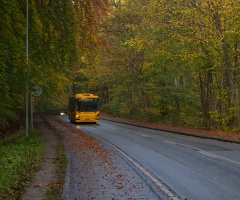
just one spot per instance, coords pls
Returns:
(75, 106)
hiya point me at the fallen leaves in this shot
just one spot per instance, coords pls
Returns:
(97, 172)
(37, 185)
(53, 184)
(49, 185)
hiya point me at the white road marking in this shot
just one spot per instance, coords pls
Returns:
(145, 172)
(188, 146)
(170, 142)
(197, 149)
(216, 156)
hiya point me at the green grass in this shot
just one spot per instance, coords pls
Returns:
(19, 158)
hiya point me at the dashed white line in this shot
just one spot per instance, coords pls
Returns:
(216, 156)
(188, 146)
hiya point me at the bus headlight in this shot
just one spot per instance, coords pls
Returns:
(97, 116)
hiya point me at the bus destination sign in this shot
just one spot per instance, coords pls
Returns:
(89, 100)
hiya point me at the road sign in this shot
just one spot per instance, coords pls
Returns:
(37, 90)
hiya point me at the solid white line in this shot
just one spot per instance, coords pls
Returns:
(145, 172)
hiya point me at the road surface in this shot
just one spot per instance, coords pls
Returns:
(184, 167)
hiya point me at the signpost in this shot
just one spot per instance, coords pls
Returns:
(36, 91)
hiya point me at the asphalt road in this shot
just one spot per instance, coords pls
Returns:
(186, 167)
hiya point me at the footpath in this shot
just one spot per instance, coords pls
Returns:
(46, 175)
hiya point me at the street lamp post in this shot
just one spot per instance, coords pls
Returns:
(27, 70)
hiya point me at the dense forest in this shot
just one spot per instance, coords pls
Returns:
(60, 33)
(169, 61)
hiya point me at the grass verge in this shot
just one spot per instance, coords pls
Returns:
(19, 158)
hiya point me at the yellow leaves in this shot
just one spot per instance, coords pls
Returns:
(51, 27)
(83, 59)
(137, 43)
(146, 65)
(130, 26)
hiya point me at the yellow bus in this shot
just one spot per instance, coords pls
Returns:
(83, 108)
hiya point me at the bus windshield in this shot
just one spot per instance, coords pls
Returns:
(87, 106)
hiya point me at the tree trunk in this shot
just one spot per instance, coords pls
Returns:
(204, 101)
(230, 80)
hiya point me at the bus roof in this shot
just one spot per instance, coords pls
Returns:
(85, 95)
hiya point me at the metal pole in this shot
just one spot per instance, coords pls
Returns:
(31, 99)
(26, 110)
(27, 70)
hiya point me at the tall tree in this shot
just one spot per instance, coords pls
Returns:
(57, 32)
(179, 60)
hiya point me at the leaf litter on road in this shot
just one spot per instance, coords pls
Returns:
(96, 171)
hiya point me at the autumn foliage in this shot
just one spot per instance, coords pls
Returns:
(173, 61)
(59, 34)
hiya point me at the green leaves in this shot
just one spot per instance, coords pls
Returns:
(60, 33)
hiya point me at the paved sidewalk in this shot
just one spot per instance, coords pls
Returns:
(46, 175)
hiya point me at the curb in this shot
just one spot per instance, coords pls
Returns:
(178, 132)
